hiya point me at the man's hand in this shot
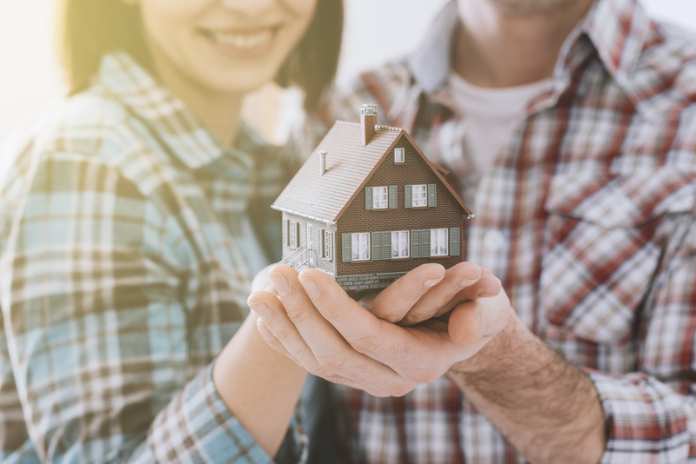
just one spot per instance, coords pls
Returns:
(313, 321)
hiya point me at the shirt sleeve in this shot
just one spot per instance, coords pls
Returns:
(651, 414)
(97, 322)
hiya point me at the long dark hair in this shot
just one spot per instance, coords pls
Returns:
(89, 29)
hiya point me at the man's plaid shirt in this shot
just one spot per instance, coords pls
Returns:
(127, 257)
(588, 217)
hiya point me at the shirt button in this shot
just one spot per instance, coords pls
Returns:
(493, 240)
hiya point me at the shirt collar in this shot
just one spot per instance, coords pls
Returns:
(131, 84)
(431, 62)
(618, 30)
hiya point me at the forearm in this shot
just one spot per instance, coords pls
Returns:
(546, 407)
(259, 386)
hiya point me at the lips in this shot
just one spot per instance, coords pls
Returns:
(239, 42)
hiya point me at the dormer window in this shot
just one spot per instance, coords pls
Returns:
(399, 155)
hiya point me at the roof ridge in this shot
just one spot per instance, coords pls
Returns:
(377, 126)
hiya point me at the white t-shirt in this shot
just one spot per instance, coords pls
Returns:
(490, 117)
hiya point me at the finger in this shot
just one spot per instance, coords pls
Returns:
(458, 279)
(395, 301)
(488, 286)
(381, 340)
(318, 334)
(271, 339)
(267, 307)
(334, 355)
(464, 324)
(262, 280)
(478, 321)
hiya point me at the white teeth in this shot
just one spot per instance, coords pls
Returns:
(249, 40)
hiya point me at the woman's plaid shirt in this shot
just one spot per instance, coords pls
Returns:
(125, 269)
(589, 218)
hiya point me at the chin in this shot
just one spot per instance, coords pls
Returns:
(238, 82)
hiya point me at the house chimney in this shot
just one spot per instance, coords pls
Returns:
(322, 162)
(368, 120)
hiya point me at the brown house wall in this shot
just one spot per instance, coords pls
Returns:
(357, 219)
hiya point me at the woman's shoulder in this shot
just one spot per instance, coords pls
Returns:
(89, 130)
(86, 124)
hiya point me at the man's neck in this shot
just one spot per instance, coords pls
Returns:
(497, 49)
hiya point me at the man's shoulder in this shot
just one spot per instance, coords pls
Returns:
(665, 74)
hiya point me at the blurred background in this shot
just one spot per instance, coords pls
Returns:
(376, 30)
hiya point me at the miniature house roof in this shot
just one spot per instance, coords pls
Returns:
(348, 166)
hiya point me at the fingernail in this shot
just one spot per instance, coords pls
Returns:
(310, 287)
(431, 283)
(280, 283)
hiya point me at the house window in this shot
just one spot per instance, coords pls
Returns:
(438, 242)
(399, 155)
(380, 197)
(419, 196)
(326, 245)
(399, 244)
(360, 246)
(293, 234)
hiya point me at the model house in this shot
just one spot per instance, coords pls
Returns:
(368, 206)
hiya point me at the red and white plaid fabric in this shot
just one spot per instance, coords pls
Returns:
(588, 217)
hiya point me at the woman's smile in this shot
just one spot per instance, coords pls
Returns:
(242, 43)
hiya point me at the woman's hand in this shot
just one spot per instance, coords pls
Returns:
(315, 323)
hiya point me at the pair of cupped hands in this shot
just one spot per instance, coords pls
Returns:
(429, 323)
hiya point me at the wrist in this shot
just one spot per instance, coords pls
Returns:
(248, 352)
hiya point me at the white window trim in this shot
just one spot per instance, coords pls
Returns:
(326, 245)
(415, 188)
(439, 242)
(399, 235)
(380, 193)
(358, 240)
(294, 239)
(399, 155)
